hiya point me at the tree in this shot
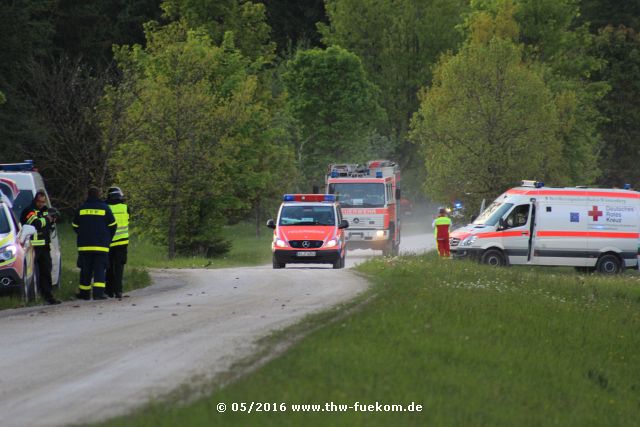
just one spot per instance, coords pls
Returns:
(196, 132)
(621, 132)
(63, 97)
(26, 31)
(89, 29)
(552, 35)
(604, 13)
(398, 42)
(247, 20)
(489, 119)
(335, 106)
(294, 22)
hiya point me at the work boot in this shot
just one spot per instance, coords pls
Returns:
(85, 295)
(119, 295)
(98, 294)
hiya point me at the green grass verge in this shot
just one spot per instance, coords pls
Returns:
(246, 250)
(472, 344)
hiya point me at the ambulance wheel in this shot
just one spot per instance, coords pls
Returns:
(493, 257)
(277, 264)
(340, 262)
(609, 264)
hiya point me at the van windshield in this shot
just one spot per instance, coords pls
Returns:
(307, 215)
(493, 213)
(358, 195)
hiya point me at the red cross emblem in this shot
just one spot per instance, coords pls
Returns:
(595, 213)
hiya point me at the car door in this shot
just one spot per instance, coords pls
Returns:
(516, 233)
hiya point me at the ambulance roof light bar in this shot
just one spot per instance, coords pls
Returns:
(309, 198)
(531, 183)
(25, 166)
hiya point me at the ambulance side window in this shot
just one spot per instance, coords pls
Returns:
(518, 217)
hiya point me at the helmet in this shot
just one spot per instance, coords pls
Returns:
(115, 193)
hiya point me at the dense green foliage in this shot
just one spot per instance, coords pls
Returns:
(197, 112)
(488, 116)
(399, 42)
(335, 106)
(475, 345)
(69, 103)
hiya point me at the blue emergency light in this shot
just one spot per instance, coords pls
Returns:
(379, 174)
(309, 198)
(457, 205)
(627, 187)
(334, 174)
(25, 166)
(539, 184)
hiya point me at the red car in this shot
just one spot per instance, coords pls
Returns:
(309, 229)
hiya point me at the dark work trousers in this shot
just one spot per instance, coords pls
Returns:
(93, 265)
(43, 265)
(117, 260)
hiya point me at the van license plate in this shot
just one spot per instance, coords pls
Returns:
(307, 253)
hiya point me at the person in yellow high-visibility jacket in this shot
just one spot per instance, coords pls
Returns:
(441, 226)
(119, 246)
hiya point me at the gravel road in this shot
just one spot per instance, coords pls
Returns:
(83, 362)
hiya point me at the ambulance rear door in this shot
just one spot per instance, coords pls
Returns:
(560, 232)
(613, 227)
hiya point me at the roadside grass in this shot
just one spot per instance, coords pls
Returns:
(246, 250)
(473, 345)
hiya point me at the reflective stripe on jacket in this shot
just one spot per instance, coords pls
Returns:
(121, 214)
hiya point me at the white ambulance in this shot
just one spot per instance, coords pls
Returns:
(588, 228)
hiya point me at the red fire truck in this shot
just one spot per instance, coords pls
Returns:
(369, 196)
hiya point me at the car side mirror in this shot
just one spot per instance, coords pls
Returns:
(502, 224)
(344, 224)
(25, 233)
(271, 223)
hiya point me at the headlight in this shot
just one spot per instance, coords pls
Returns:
(331, 243)
(8, 252)
(281, 243)
(468, 241)
(380, 233)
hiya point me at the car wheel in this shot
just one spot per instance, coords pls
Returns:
(338, 264)
(609, 264)
(494, 257)
(276, 264)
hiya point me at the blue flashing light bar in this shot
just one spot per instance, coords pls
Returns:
(27, 165)
(309, 198)
(334, 174)
(627, 187)
(379, 174)
(539, 184)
